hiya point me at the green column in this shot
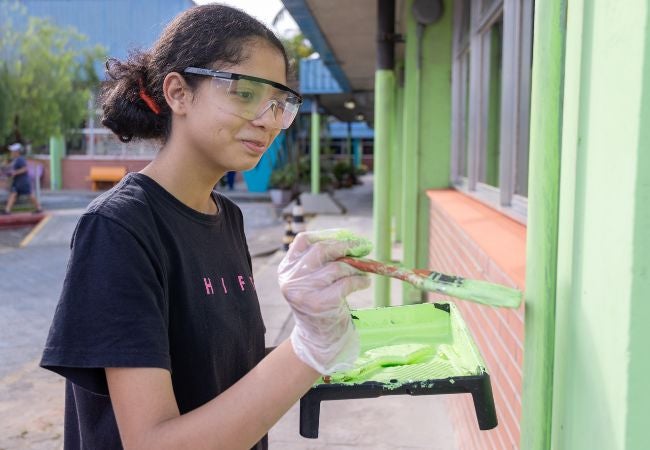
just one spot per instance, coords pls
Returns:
(315, 148)
(410, 154)
(542, 233)
(384, 104)
(396, 162)
(57, 151)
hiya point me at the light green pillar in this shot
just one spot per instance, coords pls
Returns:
(396, 163)
(384, 110)
(542, 232)
(57, 151)
(410, 153)
(315, 148)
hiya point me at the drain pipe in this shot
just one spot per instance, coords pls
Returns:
(384, 110)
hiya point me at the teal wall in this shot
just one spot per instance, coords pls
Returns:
(602, 358)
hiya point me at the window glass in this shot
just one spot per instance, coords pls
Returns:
(464, 158)
(487, 4)
(489, 172)
(465, 22)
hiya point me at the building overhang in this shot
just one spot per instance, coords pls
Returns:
(344, 33)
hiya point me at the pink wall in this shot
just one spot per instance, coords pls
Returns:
(467, 238)
(75, 169)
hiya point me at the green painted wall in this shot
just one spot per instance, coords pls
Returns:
(542, 230)
(602, 363)
(426, 134)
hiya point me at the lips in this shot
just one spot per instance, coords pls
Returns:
(255, 146)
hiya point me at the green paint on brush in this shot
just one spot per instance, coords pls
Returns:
(362, 249)
(411, 343)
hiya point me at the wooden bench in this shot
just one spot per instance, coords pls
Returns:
(105, 174)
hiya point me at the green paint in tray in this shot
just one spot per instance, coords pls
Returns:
(411, 343)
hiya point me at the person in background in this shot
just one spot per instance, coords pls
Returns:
(20, 184)
(158, 330)
(230, 179)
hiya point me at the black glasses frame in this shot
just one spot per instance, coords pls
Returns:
(239, 76)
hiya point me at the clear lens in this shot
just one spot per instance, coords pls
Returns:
(250, 100)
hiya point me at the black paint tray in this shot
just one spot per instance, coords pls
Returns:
(441, 358)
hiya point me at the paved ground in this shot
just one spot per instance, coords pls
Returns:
(31, 399)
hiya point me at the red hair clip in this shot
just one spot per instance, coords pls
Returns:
(147, 99)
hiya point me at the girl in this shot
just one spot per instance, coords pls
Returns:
(158, 330)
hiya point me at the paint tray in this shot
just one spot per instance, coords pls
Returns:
(423, 349)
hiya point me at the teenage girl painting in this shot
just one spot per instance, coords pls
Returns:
(158, 330)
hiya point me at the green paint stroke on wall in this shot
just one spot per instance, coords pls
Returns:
(542, 239)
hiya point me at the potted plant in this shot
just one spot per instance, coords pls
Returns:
(281, 185)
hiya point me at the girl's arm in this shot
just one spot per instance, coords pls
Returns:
(148, 417)
(323, 340)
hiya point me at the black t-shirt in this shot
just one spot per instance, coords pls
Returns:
(152, 283)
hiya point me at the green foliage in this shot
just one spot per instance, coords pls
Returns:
(48, 76)
(283, 178)
(297, 47)
(344, 173)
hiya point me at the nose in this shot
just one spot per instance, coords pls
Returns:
(272, 120)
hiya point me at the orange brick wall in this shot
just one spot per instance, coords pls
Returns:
(472, 240)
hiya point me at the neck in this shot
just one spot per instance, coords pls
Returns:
(188, 180)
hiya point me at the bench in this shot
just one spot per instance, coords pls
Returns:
(105, 174)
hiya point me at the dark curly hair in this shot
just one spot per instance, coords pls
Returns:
(200, 36)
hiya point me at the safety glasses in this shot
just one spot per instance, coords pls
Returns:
(251, 97)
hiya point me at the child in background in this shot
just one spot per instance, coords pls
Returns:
(20, 184)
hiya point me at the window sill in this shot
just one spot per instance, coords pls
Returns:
(492, 233)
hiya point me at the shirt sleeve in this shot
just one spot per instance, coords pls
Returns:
(113, 311)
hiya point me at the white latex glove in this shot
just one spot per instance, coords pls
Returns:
(315, 286)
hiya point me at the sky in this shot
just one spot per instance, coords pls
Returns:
(263, 10)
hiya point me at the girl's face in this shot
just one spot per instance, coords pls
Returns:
(224, 141)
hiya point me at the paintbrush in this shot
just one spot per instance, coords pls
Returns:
(426, 280)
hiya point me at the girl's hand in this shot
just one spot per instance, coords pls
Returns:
(315, 286)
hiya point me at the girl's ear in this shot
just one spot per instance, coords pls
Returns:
(177, 93)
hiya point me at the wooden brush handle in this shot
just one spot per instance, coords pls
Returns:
(478, 291)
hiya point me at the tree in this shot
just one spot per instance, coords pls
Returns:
(49, 75)
(297, 48)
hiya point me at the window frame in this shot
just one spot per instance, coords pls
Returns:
(469, 127)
